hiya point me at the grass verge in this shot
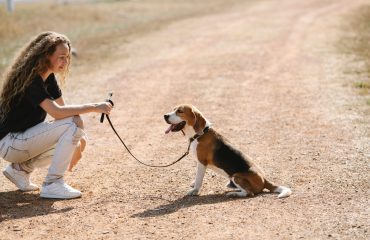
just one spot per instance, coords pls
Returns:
(356, 44)
(96, 28)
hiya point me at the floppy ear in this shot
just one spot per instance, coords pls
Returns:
(192, 121)
(200, 122)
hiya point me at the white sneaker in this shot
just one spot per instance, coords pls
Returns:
(59, 189)
(20, 178)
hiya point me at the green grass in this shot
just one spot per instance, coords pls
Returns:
(356, 43)
(96, 28)
(362, 85)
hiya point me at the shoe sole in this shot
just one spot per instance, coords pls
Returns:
(56, 196)
(7, 175)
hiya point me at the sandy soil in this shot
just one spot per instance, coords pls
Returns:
(268, 77)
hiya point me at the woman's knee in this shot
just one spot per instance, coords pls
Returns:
(78, 121)
(77, 135)
(75, 130)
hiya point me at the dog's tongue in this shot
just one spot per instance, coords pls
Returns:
(170, 128)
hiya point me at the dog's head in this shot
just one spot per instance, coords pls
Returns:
(185, 117)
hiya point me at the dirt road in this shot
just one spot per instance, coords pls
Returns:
(267, 75)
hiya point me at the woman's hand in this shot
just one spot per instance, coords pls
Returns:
(104, 107)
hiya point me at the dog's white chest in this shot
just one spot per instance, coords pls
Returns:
(193, 147)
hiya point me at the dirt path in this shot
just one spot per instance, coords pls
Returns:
(267, 76)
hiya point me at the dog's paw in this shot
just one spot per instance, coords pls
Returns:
(239, 194)
(193, 192)
(231, 185)
(192, 184)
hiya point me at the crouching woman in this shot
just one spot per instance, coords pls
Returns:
(30, 91)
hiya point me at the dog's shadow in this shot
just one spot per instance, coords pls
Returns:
(184, 202)
(18, 205)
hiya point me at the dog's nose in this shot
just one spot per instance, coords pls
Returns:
(166, 117)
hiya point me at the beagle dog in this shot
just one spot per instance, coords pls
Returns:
(215, 152)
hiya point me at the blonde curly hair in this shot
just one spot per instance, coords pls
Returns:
(32, 59)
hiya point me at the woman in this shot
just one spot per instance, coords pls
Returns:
(30, 91)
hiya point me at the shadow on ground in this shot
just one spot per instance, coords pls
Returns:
(184, 202)
(18, 205)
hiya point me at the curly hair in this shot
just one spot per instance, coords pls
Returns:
(32, 59)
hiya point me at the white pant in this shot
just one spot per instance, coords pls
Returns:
(37, 146)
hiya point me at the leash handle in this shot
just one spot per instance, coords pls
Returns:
(110, 94)
(102, 118)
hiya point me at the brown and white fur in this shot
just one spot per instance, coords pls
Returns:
(215, 152)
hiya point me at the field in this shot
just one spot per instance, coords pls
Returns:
(285, 81)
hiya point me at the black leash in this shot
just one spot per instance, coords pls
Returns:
(162, 166)
(148, 165)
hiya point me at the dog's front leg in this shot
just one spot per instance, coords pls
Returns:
(201, 170)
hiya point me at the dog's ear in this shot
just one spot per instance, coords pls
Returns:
(193, 119)
(200, 122)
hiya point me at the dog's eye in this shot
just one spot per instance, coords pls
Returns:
(180, 111)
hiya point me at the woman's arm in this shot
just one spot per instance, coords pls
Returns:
(60, 101)
(58, 111)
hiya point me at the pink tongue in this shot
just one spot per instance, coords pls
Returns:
(170, 128)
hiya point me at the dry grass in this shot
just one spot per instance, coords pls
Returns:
(96, 28)
(357, 44)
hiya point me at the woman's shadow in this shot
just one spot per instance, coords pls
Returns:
(184, 202)
(17, 205)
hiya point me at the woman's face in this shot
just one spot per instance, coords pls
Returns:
(59, 60)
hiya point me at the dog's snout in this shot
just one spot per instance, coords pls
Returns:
(167, 118)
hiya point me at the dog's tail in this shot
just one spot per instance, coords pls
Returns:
(283, 191)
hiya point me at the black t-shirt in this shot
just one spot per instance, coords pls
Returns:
(26, 112)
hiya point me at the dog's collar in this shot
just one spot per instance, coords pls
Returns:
(196, 136)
